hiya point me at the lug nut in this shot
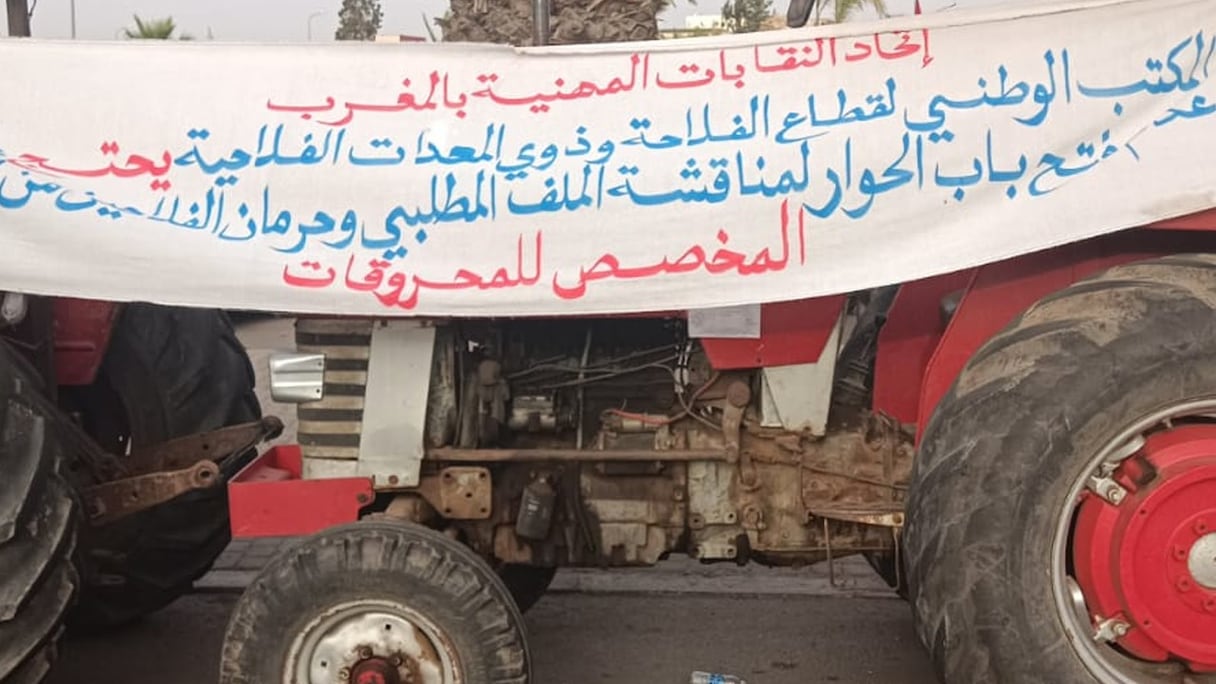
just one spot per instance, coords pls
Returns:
(365, 652)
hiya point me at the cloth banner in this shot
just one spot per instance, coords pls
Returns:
(474, 180)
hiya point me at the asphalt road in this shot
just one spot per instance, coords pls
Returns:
(583, 638)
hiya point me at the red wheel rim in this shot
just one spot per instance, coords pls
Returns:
(1148, 563)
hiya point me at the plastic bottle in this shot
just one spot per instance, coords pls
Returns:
(714, 678)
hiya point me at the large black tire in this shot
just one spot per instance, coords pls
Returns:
(168, 372)
(38, 521)
(393, 562)
(1015, 433)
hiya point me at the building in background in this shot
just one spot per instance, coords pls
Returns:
(400, 38)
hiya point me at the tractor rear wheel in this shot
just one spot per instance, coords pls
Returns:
(169, 372)
(38, 520)
(1062, 512)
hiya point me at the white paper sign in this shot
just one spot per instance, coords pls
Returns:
(404, 179)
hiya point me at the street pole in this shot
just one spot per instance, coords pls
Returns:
(540, 22)
(18, 18)
(312, 16)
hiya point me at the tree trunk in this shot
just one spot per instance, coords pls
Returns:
(18, 18)
(570, 21)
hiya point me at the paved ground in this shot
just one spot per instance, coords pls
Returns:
(643, 626)
(580, 638)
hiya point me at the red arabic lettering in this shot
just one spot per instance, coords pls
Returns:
(584, 89)
(905, 47)
(401, 290)
(723, 260)
(792, 61)
(890, 45)
(307, 279)
(135, 165)
(305, 111)
(696, 77)
(441, 94)
(465, 278)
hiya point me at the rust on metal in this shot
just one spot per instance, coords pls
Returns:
(877, 514)
(214, 446)
(113, 500)
(410, 507)
(459, 492)
(593, 455)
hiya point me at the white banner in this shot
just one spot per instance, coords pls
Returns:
(447, 179)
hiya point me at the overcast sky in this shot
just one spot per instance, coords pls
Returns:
(288, 20)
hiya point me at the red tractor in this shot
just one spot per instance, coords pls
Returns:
(1025, 450)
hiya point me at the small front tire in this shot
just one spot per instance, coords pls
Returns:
(387, 598)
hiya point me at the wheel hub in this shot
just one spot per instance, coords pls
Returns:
(1202, 561)
(1146, 564)
(372, 643)
(375, 671)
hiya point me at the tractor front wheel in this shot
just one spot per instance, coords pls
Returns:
(384, 602)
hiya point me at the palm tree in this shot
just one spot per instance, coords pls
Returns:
(843, 9)
(154, 29)
(570, 21)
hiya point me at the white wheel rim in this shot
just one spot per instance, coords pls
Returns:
(346, 642)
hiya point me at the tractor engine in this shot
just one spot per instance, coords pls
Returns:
(615, 442)
(551, 384)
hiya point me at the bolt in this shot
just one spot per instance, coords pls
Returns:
(1184, 584)
(1209, 604)
(392, 479)
(1115, 493)
(362, 498)
(1180, 553)
(1201, 526)
(1120, 629)
(677, 495)
(396, 661)
(365, 652)
(344, 673)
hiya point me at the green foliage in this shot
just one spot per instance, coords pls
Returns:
(846, 8)
(358, 20)
(746, 16)
(843, 9)
(154, 29)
